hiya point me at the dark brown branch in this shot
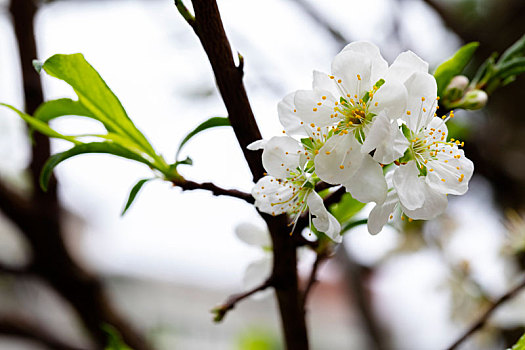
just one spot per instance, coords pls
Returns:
(188, 185)
(39, 217)
(484, 318)
(221, 311)
(210, 31)
(16, 326)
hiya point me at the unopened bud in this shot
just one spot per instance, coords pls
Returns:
(456, 87)
(474, 99)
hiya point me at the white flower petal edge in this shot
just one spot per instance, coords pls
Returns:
(256, 273)
(405, 65)
(253, 235)
(292, 124)
(379, 65)
(339, 159)
(386, 138)
(368, 183)
(323, 221)
(281, 155)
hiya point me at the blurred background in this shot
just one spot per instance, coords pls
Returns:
(159, 270)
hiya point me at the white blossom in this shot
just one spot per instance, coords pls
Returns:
(289, 185)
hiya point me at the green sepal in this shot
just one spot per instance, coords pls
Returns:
(133, 194)
(366, 97)
(309, 185)
(454, 66)
(379, 83)
(307, 142)
(407, 157)
(406, 131)
(210, 123)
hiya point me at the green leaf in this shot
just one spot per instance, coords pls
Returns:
(114, 340)
(516, 50)
(511, 68)
(95, 95)
(93, 147)
(520, 345)
(353, 224)
(56, 108)
(133, 193)
(454, 66)
(346, 208)
(40, 126)
(210, 123)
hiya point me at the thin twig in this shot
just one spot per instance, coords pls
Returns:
(322, 22)
(484, 318)
(221, 311)
(188, 185)
(319, 259)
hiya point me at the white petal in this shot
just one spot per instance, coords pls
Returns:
(256, 273)
(289, 118)
(393, 146)
(322, 81)
(379, 131)
(368, 184)
(390, 98)
(263, 192)
(272, 197)
(253, 235)
(421, 101)
(347, 66)
(323, 221)
(379, 65)
(281, 155)
(409, 186)
(435, 204)
(450, 175)
(405, 65)
(338, 159)
(312, 108)
(381, 213)
(257, 145)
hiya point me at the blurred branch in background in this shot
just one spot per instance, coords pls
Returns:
(39, 219)
(484, 318)
(19, 327)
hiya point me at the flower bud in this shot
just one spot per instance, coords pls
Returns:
(474, 99)
(456, 87)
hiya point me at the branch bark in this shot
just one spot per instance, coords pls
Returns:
(188, 185)
(221, 311)
(39, 217)
(484, 318)
(207, 24)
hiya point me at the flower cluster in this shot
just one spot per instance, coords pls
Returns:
(371, 128)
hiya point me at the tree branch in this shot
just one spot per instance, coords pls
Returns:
(210, 31)
(19, 327)
(188, 185)
(319, 259)
(484, 318)
(322, 22)
(221, 311)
